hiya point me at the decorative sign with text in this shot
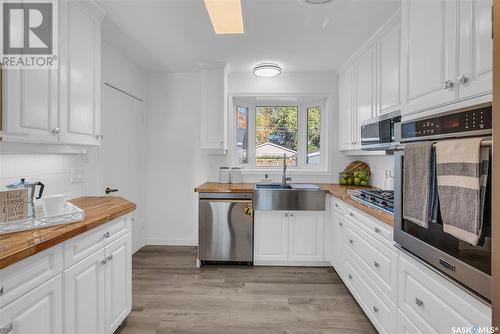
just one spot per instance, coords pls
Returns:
(13, 205)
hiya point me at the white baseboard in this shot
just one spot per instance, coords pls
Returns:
(292, 263)
(169, 242)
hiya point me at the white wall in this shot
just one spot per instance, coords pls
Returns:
(378, 165)
(175, 163)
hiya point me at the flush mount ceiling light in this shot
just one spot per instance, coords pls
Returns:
(316, 2)
(226, 16)
(267, 70)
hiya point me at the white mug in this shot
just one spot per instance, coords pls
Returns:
(53, 205)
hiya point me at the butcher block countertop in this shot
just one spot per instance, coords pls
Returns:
(98, 210)
(336, 190)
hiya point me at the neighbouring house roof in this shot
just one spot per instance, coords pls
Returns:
(274, 149)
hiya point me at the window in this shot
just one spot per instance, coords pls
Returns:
(276, 135)
(267, 131)
(242, 134)
(313, 135)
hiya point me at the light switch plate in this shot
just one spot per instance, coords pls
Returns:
(76, 175)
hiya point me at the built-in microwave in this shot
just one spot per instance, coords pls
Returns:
(468, 264)
(381, 133)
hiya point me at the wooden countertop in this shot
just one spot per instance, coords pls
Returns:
(98, 210)
(336, 190)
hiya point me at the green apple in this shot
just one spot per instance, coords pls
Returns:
(364, 183)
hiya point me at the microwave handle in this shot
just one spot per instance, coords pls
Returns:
(398, 192)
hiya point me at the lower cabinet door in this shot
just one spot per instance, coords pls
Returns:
(270, 236)
(339, 243)
(84, 296)
(405, 326)
(306, 236)
(37, 312)
(118, 282)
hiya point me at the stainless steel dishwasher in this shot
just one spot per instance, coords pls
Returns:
(225, 231)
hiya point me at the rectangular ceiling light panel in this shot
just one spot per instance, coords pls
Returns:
(226, 16)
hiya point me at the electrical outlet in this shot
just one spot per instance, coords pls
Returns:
(76, 175)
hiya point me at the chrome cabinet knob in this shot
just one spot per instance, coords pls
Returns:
(377, 230)
(447, 84)
(1, 290)
(109, 257)
(375, 309)
(340, 224)
(462, 79)
(291, 215)
(103, 262)
(99, 137)
(106, 235)
(351, 241)
(376, 264)
(419, 302)
(350, 276)
(286, 214)
(56, 131)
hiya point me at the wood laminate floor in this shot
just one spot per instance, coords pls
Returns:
(171, 296)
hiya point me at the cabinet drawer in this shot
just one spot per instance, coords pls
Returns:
(378, 230)
(377, 307)
(405, 326)
(23, 276)
(434, 304)
(338, 206)
(79, 247)
(376, 260)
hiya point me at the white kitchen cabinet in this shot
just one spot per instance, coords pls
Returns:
(31, 107)
(405, 326)
(214, 105)
(80, 72)
(388, 78)
(118, 285)
(288, 237)
(84, 295)
(271, 236)
(364, 90)
(38, 311)
(339, 231)
(429, 53)
(347, 119)
(306, 236)
(475, 48)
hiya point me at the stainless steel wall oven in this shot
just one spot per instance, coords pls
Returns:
(468, 264)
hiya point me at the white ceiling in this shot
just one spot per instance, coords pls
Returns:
(175, 35)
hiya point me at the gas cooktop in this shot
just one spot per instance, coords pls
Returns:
(378, 199)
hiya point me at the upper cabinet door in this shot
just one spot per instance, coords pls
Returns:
(389, 70)
(429, 53)
(346, 111)
(476, 49)
(364, 91)
(80, 63)
(30, 105)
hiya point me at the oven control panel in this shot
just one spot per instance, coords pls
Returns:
(454, 123)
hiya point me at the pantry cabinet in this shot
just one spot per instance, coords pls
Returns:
(60, 105)
(288, 237)
(447, 54)
(364, 90)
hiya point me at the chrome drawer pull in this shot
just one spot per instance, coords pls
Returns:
(351, 241)
(419, 302)
(109, 258)
(340, 224)
(1, 290)
(336, 205)
(351, 214)
(375, 309)
(7, 329)
(106, 235)
(377, 230)
(350, 276)
(376, 264)
(103, 262)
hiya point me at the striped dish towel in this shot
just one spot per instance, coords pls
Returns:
(462, 174)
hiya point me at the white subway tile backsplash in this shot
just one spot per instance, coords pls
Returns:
(54, 170)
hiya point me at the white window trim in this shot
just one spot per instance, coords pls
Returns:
(323, 101)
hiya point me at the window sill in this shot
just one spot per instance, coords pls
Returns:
(289, 171)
